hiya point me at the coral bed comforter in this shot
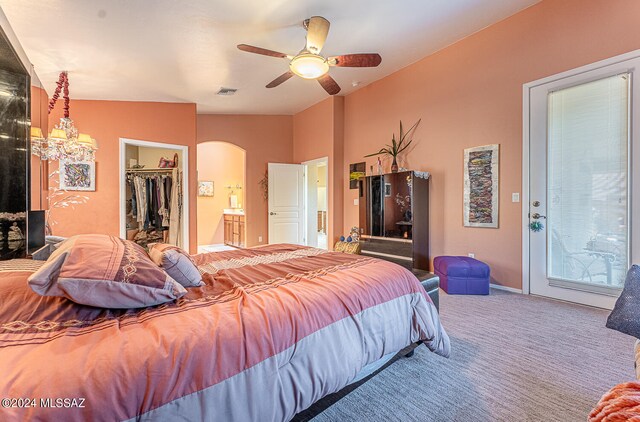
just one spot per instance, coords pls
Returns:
(273, 330)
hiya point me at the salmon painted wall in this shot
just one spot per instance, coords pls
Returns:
(107, 122)
(318, 133)
(312, 132)
(223, 164)
(470, 94)
(265, 139)
(39, 169)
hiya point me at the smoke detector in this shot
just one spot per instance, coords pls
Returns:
(226, 91)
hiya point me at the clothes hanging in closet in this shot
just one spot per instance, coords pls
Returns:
(155, 206)
(175, 228)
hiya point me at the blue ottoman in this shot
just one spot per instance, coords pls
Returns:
(461, 275)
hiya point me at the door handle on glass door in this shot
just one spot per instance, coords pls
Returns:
(537, 216)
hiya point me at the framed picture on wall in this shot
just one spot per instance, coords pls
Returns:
(356, 171)
(78, 175)
(205, 188)
(481, 187)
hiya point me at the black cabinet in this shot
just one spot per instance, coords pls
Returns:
(15, 88)
(394, 217)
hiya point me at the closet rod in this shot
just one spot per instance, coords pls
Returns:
(158, 170)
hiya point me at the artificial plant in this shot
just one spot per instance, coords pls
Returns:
(397, 146)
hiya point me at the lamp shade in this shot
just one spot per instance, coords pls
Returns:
(85, 139)
(36, 133)
(58, 134)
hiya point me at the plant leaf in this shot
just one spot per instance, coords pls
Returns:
(412, 128)
(382, 151)
(395, 145)
(404, 135)
(405, 146)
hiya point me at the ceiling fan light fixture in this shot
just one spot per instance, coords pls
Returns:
(309, 66)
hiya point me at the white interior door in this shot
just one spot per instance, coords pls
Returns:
(580, 175)
(286, 203)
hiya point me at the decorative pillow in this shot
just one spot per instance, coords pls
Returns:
(625, 316)
(106, 272)
(177, 263)
(347, 247)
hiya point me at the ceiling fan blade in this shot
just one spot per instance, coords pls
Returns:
(263, 51)
(317, 30)
(356, 60)
(329, 84)
(280, 79)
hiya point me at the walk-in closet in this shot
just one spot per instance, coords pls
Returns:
(153, 194)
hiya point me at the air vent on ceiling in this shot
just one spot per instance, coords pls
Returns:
(226, 91)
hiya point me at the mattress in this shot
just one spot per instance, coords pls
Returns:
(273, 330)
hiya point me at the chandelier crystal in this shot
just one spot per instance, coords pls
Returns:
(64, 142)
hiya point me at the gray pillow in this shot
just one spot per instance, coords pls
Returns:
(177, 263)
(625, 316)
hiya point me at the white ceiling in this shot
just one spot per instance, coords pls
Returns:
(185, 50)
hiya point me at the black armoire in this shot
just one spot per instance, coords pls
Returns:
(394, 218)
(15, 92)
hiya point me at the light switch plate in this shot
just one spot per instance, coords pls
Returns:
(515, 197)
(355, 202)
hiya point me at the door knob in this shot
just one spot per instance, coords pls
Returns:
(272, 213)
(537, 216)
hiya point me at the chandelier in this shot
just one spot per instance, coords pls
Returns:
(64, 142)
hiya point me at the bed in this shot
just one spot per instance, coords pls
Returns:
(273, 330)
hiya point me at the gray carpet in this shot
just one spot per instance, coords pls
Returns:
(514, 358)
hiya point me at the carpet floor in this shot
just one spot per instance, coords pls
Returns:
(513, 358)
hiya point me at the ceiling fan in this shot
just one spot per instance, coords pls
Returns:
(309, 64)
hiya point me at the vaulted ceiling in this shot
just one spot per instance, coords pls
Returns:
(185, 51)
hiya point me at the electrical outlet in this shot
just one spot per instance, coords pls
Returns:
(259, 239)
(472, 255)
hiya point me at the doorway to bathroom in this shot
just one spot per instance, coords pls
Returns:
(220, 203)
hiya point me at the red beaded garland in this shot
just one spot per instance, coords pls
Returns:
(61, 85)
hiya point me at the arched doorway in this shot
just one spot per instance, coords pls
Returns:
(221, 196)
